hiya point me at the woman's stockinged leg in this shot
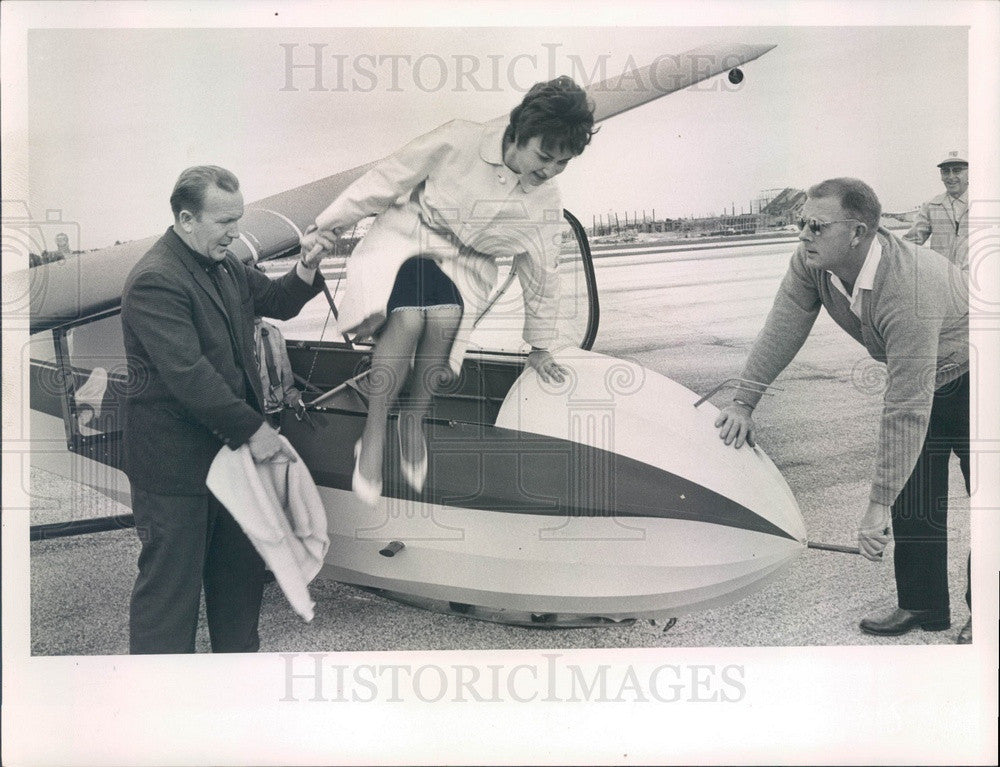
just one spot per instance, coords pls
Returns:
(430, 373)
(390, 366)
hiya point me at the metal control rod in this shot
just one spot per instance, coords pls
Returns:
(833, 547)
(81, 527)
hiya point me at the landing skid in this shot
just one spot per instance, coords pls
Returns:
(512, 617)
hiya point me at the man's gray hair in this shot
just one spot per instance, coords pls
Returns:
(192, 185)
(856, 198)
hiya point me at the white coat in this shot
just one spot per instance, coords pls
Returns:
(278, 506)
(449, 196)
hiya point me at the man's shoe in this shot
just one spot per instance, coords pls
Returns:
(900, 621)
(965, 635)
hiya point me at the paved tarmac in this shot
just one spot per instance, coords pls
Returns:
(690, 315)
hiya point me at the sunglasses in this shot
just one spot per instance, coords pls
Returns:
(816, 226)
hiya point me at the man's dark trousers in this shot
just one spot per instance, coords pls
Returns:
(920, 513)
(178, 534)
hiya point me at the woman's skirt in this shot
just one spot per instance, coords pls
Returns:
(420, 284)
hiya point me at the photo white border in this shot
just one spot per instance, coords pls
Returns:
(849, 705)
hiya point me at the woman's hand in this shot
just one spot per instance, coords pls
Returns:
(547, 368)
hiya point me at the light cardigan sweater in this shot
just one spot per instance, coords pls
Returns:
(278, 506)
(914, 319)
(448, 195)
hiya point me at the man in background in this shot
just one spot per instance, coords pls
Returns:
(945, 218)
(61, 252)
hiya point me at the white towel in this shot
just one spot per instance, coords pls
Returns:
(279, 508)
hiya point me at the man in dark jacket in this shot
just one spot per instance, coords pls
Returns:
(188, 312)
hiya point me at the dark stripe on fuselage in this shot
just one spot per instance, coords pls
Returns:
(483, 467)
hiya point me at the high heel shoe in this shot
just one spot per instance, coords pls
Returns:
(415, 474)
(368, 492)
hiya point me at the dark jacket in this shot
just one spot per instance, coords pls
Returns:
(191, 362)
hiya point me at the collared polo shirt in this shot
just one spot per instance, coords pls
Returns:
(865, 279)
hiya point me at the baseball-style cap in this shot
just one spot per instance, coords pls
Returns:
(954, 158)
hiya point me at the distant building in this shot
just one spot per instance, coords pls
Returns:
(783, 207)
(771, 209)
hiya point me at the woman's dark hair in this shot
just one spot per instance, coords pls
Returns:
(558, 111)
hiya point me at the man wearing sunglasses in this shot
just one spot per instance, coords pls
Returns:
(909, 309)
(945, 218)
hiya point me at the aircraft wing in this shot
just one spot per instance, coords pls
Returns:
(667, 74)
